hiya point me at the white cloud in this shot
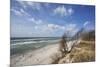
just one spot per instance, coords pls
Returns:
(33, 5)
(39, 21)
(62, 11)
(52, 26)
(85, 23)
(70, 11)
(24, 12)
(16, 12)
(22, 3)
(55, 27)
(20, 12)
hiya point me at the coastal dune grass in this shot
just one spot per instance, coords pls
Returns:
(84, 52)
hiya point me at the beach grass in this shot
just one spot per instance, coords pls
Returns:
(84, 52)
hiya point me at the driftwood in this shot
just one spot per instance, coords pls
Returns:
(67, 45)
(63, 44)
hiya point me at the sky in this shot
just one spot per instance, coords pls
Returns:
(41, 19)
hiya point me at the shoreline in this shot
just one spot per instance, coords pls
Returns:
(50, 54)
(45, 55)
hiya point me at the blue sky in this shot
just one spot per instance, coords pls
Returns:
(35, 19)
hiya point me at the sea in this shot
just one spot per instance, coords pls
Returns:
(23, 44)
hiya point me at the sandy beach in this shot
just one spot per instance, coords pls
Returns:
(45, 55)
(50, 54)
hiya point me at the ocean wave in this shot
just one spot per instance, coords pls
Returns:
(33, 42)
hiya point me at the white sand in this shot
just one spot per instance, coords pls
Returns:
(45, 55)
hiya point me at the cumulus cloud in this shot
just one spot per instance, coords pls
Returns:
(62, 11)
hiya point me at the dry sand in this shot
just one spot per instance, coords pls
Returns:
(46, 55)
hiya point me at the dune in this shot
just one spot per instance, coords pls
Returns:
(83, 52)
